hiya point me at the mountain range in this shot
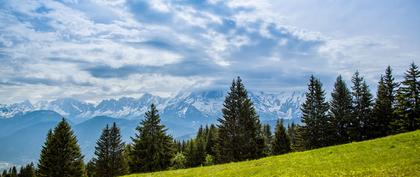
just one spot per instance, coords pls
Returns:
(24, 125)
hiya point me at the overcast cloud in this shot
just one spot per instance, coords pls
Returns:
(96, 49)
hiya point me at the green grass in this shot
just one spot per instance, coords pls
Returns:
(397, 155)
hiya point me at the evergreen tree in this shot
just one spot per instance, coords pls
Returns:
(362, 108)
(408, 101)
(291, 131)
(266, 131)
(109, 160)
(153, 149)
(60, 155)
(281, 142)
(27, 171)
(383, 110)
(317, 126)
(240, 135)
(299, 141)
(211, 141)
(90, 168)
(13, 172)
(340, 111)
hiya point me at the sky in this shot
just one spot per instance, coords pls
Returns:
(97, 49)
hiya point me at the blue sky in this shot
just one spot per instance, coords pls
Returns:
(91, 50)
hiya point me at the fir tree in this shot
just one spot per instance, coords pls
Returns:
(340, 111)
(281, 141)
(211, 141)
(90, 168)
(27, 171)
(109, 160)
(240, 135)
(300, 144)
(407, 106)
(317, 127)
(266, 131)
(362, 108)
(60, 155)
(291, 131)
(153, 149)
(383, 110)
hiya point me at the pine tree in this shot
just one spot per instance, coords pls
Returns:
(211, 141)
(240, 135)
(153, 149)
(362, 109)
(109, 160)
(407, 106)
(317, 126)
(13, 172)
(61, 155)
(291, 131)
(27, 171)
(383, 110)
(340, 111)
(266, 131)
(300, 144)
(281, 141)
(90, 168)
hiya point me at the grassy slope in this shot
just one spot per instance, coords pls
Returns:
(397, 155)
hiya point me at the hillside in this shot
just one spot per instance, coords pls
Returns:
(397, 155)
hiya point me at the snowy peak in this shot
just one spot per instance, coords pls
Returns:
(197, 105)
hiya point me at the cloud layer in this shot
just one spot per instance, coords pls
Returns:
(96, 49)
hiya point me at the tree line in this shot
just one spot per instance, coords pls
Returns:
(351, 115)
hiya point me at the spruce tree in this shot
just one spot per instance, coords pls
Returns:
(407, 106)
(317, 126)
(109, 160)
(152, 149)
(27, 171)
(362, 109)
(266, 131)
(60, 155)
(291, 131)
(240, 136)
(211, 141)
(340, 111)
(281, 141)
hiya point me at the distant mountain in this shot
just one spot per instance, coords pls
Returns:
(200, 105)
(23, 126)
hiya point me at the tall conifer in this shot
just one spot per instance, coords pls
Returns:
(61, 154)
(153, 149)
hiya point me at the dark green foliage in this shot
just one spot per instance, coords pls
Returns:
(316, 130)
(109, 160)
(60, 155)
(211, 140)
(281, 141)
(299, 143)
(152, 148)
(340, 111)
(362, 109)
(240, 136)
(90, 168)
(407, 106)
(291, 131)
(383, 110)
(27, 171)
(266, 131)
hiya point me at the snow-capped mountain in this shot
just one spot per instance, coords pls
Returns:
(201, 106)
(24, 125)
